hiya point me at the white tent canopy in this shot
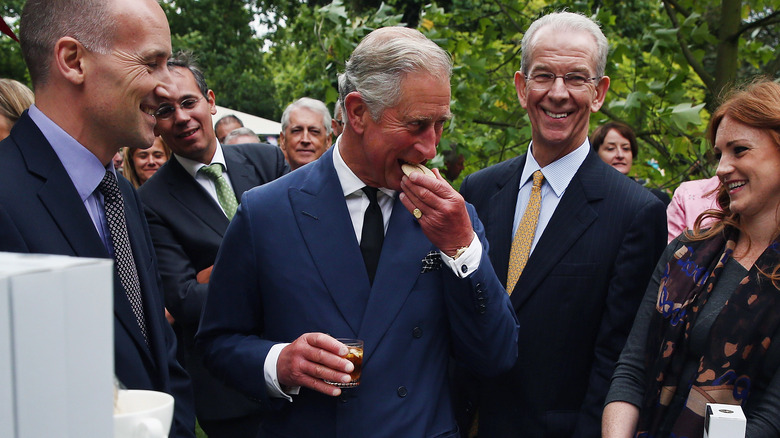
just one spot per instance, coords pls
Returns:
(259, 125)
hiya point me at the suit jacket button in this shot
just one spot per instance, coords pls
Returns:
(417, 333)
(481, 309)
(402, 391)
(342, 398)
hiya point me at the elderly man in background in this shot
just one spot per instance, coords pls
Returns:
(226, 125)
(189, 203)
(306, 131)
(350, 247)
(338, 119)
(99, 73)
(241, 136)
(574, 241)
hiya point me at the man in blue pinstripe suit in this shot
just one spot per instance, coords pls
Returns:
(596, 241)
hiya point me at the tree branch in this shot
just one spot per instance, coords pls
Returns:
(773, 18)
(708, 80)
(684, 12)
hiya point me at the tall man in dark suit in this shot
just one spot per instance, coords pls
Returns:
(187, 223)
(98, 68)
(594, 237)
(296, 264)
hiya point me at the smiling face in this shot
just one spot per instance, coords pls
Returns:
(405, 133)
(305, 137)
(559, 116)
(616, 151)
(148, 161)
(749, 166)
(189, 131)
(124, 87)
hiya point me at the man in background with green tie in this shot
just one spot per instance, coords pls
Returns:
(189, 204)
(573, 241)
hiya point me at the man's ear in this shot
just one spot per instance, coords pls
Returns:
(601, 93)
(212, 102)
(520, 87)
(356, 111)
(70, 60)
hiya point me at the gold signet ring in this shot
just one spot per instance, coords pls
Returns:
(417, 213)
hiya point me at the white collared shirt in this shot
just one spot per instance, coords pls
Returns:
(557, 176)
(192, 167)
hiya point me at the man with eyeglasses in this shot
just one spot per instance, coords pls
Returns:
(572, 240)
(189, 203)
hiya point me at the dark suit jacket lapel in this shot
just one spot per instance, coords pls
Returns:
(571, 219)
(242, 174)
(400, 265)
(320, 211)
(183, 188)
(58, 194)
(498, 224)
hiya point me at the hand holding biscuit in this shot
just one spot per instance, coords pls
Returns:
(440, 210)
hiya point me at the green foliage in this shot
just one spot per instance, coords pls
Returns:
(669, 62)
(219, 33)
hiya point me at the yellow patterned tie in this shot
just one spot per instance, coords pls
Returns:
(521, 244)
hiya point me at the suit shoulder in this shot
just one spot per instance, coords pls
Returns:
(254, 150)
(497, 173)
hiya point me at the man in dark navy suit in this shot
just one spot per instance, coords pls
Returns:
(187, 222)
(99, 72)
(593, 238)
(296, 269)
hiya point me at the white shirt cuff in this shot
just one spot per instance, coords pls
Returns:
(468, 262)
(271, 380)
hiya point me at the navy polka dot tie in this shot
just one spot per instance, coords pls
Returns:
(123, 253)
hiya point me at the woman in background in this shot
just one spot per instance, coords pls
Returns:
(704, 331)
(15, 97)
(616, 145)
(140, 164)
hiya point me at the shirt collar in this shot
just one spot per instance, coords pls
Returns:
(192, 167)
(559, 173)
(83, 167)
(350, 183)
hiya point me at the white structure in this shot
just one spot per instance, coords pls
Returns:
(259, 125)
(56, 346)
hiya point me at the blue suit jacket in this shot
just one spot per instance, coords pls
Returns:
(290, 264)
(577, 296)
(187, 226)
(41, 212)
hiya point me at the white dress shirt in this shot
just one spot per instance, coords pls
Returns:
(192, 167)
(557, 176)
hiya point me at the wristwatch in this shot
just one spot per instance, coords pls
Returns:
(460, 252)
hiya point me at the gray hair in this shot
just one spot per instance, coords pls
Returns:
(188, 60)
(240, 132)
(312, 105)
(382, 60)
(44, 22)
(563, 22)
(338, 111)
(227, 118)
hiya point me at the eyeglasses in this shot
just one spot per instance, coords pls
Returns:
(572, 81)
(166, 110)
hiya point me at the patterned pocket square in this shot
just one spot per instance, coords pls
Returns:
(431, 262)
